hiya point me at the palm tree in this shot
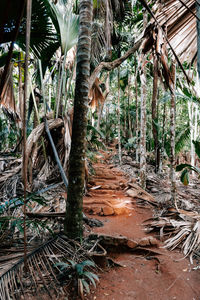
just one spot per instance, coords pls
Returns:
(143, 119)
(73, 220)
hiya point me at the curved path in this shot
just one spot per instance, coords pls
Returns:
(142, 277)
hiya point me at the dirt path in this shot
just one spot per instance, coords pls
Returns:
(141, 277)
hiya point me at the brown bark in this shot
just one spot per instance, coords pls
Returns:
(20, 87)
(130, 133)
(119, 123)
(172, 133)
(154, 113)
(143, 120)
(137, 115)
(73, 221)
(24, 161)
(113, 64)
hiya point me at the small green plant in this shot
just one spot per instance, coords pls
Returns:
(185, 168)
(94, 138)
(11, 222)
(131, 144)
(82, 278)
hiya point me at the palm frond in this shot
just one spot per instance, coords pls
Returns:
(68, 24)
(95, 95)
(182, 139)
(98, 45)
(42, 275)
(43, 31)
(182, 226)
(7, 101)
(181, 26)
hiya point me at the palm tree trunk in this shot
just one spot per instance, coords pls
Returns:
(143, 121)
(130, 133)
(191, 121)
(163, 138)
(20, 87)
(137, 115)
(154, 113)
(25, 158)
(73, 221)
(119, 123)
(172, 133)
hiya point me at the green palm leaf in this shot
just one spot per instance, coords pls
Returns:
(68, 24)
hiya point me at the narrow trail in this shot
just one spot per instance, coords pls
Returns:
(142, 277)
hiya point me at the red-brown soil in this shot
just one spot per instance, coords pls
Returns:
(141, 276)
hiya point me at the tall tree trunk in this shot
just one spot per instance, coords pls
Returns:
(172, 133)
(163, 138)
(108, 29)
(20, 86)
(191, 121)
(137, 115)
(25, 158)
(119, 123)
(143, 120)
(73, 221)
(130, 133)
(154, 113)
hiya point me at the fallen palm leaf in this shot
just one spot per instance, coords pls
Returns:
(183, 228)
(42, 270)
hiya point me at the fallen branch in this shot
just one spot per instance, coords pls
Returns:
(89, 221)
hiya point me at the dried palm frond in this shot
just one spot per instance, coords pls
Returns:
(180, 22)
(96, 95)
(70, 58)
(98, 44)
(7, 100)
(181, 227)
(42, 274)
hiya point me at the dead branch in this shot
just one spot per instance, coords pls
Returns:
(38, 132)
(113, 64)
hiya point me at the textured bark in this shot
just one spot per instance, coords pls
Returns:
(113, 64)
(143, 121)
(130, 133)
(73, 222)
(20, 87)
(193, 120)
(119, 123)
(172, 133)
(163, 138)
(137, 113)
(154, 113)
(25, 157)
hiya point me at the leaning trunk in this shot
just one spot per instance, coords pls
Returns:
(73, 220)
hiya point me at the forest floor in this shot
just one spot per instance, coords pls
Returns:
(140, 275)
(143, 268)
